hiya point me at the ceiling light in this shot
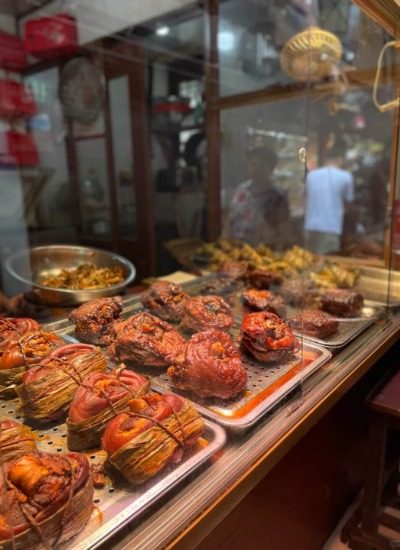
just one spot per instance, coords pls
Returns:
(162, 31)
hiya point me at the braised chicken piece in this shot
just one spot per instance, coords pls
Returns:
(206, 312)
(314, 323)
(146, 340)
(211, 366)
(264, 300)
(165, 300)
(267, 338)
(342, 302)
(94, 320)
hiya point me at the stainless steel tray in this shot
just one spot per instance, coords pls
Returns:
(118, 503)
(348, 328)
(266, 386)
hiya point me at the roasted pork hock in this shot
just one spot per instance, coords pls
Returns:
(46, 500)
(314, 323)
(99, 398)
(206, 312)
(47, 389)
(94, 320)
(267, 338)
(210, 367)
(15, 439)
(299, 292)
(12, 329)
(342, 302)
(165, 300)
(155, 432)
(146, 340)
(264, 300)
(263, 279)
(25, 352)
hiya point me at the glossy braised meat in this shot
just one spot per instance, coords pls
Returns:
(47, 389)
(15, 439)
(314, 323)
(99, 398)
(264, 300)
(267, 338)
(206, 312)
(155, 431)
(165, 300)
(262, 278)
(342, 302)
(11, 329)
(46, 500)
(234, 270)
(211, 366)
(299, 292)
(146, 340)
(29, 350)
(94, 320)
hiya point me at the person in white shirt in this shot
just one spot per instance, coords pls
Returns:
(329, 192)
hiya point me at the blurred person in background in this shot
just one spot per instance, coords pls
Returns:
(329, 195)
(259, 211)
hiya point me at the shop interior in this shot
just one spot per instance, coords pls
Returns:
(128, 128)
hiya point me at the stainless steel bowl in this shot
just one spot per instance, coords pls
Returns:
(31, 266)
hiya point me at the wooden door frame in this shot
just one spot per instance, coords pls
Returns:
(128, 58)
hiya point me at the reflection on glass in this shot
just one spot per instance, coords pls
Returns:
(123, 152)
(93, 195)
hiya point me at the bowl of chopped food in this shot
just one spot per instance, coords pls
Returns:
(66, 275)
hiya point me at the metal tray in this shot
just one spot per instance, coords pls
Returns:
(348, 328)
(266, 386)
(118, 503)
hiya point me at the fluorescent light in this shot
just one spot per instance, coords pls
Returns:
(162, 31)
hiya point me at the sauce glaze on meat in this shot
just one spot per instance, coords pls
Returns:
(211, 366)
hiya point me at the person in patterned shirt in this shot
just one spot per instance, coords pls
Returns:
(259, 211)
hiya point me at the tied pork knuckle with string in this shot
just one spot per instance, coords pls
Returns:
(23, 353)
(99, 398)
(46, 500)
(15, 439)
(154, 432)
(47, 389)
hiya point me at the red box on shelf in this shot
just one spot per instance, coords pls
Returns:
(17, 149)
(15, 99)
(51, 36)
(12, 52)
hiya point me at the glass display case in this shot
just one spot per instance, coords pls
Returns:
(246, 150)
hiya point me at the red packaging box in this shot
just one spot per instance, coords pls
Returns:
(52, 36)
(18, 149)
(12, 52)
(15, 99)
